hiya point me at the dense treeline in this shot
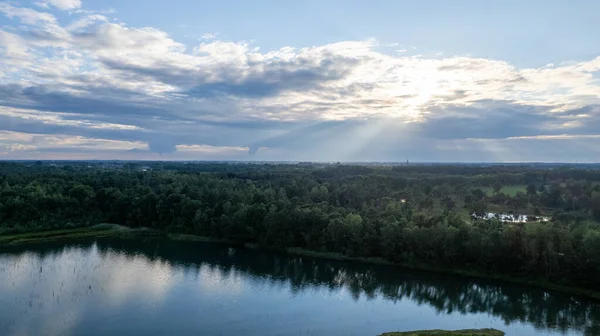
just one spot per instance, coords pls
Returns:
(414, 214)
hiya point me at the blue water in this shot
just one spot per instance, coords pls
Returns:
(156, 287)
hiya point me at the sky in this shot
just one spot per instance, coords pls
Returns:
(434, 81)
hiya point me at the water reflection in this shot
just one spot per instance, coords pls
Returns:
(49, 285)
(54, 290)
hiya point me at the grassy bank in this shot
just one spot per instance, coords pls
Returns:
(466, 332)
(189, 237)
(96, 231)
(337, 256)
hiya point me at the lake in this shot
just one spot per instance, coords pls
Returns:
(160, 287)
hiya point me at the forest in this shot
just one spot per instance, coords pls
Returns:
(406, 214)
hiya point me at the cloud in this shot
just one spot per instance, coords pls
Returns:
(40, 28)
(87, 21)
(13, 46)
(27, 16)
(107, 81)
(209, 36)
(63, 4)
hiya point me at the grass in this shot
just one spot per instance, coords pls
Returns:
(466, 332)
(96, 231)
(189, 237)
(498, 208)
(336, 256)
(510, 190)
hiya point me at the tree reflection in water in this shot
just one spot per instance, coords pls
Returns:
(447, 294)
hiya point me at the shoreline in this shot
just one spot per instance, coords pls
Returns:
(438, 332)
(119, 231)
(95, 231)
(454, 271)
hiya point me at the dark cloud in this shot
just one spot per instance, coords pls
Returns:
(94, 102)
(351, 139)
(489, 119)
(45, 36)
(264, 80)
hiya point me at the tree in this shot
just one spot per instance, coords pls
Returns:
(478, 207)
(82, 193)
(478, 194)
(595, 204)
(531, 190)
(497, 187)
(345, 232)
(319, 193)
(449, 203)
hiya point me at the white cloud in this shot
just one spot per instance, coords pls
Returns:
(61, 119)
(97, 79)
(117, 40)
(556, 137)
(41, 142)
(211, 149)
(41, 4)
(26, 15)
(64, 4)
(209, 36)
(43, 28)
(13, 45)
(86, 22)
(100, 11)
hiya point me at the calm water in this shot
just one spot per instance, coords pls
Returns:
(161, 287)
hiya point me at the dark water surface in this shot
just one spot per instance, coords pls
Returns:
(157, 287)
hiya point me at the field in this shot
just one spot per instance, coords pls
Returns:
(467, 332)
(510, 190)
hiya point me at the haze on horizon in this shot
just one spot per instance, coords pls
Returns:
(313, 80)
